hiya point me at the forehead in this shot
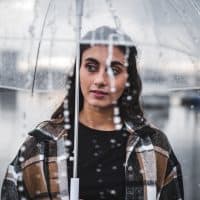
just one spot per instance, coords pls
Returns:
(101, 52)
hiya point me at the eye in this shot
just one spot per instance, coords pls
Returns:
(116, 70)
(91, 67)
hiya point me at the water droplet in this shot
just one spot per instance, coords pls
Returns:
(114, 102)
(113, 192)
(98, 170)
(116, 111)
(95, 154)
(118, 126)
(100, 181)
(96, 146)
(63, 174)
(65, 105)
(142, 119)
(126, 64)
(66, 120)
(38, 145)
(116, 119)
(192, 107)
(66, 101)
(19, 176)
(112, 141)
(130, 168)
(37, 192)
(101, 194)
(114, 167)
(21, 159)
(20, 188)
(67, 87)
(68, 143)
(71, 158)
(62, 157)
(129, 98)
(113, 89)
(118, 144)
(66, 113)
(67, 126)
(124, 134)
(127, 84)
(134, 92)
(23, 148)
(142, 171)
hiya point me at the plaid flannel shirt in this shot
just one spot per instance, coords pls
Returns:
(39, 171)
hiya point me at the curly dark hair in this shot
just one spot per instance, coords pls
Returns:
(130, 108)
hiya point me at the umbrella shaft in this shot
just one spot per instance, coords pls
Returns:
(79, 5)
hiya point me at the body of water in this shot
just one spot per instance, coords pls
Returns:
(20, 112)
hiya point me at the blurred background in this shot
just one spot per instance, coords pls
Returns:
(37, 47)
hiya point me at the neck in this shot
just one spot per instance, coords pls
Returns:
(97, 118)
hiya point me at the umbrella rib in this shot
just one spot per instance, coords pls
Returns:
(195, 6)
(39, 45)
(112, 11)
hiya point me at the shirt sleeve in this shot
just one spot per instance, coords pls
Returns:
(13, 187)
(173, 183)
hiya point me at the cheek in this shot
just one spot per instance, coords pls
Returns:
(85, 81)
(120, 85)
(122, 81)
(82, 80)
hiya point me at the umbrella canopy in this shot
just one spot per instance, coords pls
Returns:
(41, 34)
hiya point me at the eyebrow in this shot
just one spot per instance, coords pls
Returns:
(92, 60)
(97, 62)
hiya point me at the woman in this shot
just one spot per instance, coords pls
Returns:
(121, 156)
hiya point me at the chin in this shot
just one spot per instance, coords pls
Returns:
(101, 105)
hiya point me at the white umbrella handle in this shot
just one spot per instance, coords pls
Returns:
(74, 189)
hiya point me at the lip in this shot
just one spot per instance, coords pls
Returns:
(99, 93)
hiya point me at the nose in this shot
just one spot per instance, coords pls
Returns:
(101, 79)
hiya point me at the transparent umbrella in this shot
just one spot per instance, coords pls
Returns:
(165, 32)
(38, 42)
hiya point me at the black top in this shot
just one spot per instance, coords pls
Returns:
(101, 163)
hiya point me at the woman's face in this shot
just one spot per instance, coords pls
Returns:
(99, 89)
